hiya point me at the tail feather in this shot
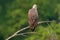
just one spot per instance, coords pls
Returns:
(32, 29)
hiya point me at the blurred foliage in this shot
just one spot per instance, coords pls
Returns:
(13, 16)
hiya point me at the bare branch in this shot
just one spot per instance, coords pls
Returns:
(44, 22)
(24, 34)
(20, 34)
(16, 33)
(29, 33)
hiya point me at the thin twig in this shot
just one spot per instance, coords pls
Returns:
(28, 33)
(17, 32)
(24, 34)
(24, 29)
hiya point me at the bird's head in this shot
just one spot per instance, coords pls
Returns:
(34, 6)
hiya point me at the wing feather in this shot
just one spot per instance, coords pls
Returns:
(33, 18)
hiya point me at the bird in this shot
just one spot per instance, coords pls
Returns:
(33, 17)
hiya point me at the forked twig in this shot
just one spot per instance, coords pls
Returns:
(16, 33)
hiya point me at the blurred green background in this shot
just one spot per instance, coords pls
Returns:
(14, 16)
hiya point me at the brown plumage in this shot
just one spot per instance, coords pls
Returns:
(33, 17)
